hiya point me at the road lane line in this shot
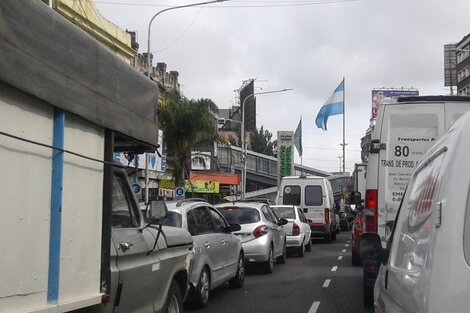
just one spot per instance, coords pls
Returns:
(326, 283)
(340, 258)
(344, 250)
(334, 268)
(346, 245)
(314, 307)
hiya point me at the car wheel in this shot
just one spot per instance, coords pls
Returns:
(174, 300)
(201, 295)
(282, 258)
(239, 279)
(269, 264)
(308, 246)
(301, 251)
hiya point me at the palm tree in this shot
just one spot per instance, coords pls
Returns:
(186, 124)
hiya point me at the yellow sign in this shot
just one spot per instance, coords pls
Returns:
(201, 186)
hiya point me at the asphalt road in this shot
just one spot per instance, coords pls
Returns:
(324, 281)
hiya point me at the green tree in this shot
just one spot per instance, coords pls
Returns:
(261, 142)
(186, 124)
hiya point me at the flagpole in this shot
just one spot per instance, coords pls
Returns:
(301, 155)
(344, 129)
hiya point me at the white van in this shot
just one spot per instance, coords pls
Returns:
(405, 129)
(314, 196)
(427, 268)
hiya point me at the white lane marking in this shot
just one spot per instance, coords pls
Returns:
(340, 258)
(326, 283)
(346, 245)
(314, 307)
(334, 268)
(344, 250)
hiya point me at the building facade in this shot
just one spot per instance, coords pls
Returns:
(463, 66)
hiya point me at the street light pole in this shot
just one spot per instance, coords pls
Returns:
(168, 9)
(148, 75)
(242, 135)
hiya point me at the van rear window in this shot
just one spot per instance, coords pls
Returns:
(291, 195)
(313, 195)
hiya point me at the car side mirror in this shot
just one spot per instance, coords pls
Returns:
(355, 198)
(370, 247)
(158, 210)
(282, 221)
(234, 227)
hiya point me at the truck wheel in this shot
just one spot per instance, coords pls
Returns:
(269, 264)
(174, 300)
(201, 295)
(239, 279)
(282, 258)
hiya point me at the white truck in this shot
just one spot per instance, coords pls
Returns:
(405, 129)
(73, 235)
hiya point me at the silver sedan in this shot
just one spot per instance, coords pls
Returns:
(262, 235)
(219, 256)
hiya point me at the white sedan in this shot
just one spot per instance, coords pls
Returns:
(297, 229)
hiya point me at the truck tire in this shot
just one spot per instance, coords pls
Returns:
(239, 279)
(174, 300)
(201, 294)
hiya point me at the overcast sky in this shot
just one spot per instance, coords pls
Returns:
(305, 45)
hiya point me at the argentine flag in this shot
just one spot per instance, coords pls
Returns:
(333, 106)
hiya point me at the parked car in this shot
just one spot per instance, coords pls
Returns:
(314, 196)
(261, 200)
(297, 229)
(425, 267)
(357, 230)
(262, 235)
(219, 256)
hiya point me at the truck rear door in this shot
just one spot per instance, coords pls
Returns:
(408, 130)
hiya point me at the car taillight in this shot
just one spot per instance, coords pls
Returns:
(260, 231)
(295, 230)
(327, 215)
(370, 211)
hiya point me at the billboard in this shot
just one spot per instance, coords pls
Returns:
(450, 62)
(250, 105)
(200, 161)
(285, 154)
(379, 94)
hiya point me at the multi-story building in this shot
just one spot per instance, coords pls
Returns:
(463, 66)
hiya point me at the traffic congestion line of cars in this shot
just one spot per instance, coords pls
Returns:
(228, 235)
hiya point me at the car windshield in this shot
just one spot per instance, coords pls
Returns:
(240, 215)
(284, 212)
(172, 219)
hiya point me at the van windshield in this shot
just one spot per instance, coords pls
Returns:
(291, 195)
(313, 195)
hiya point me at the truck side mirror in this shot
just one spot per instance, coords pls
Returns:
(158, 210)
(355, 198)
